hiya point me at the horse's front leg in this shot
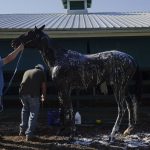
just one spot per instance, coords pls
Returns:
(67, 117)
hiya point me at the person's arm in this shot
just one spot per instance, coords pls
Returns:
(43, 91)
(10, 57)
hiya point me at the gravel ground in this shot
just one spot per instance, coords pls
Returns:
(88, 137)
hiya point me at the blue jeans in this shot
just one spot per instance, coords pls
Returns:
(29, 114)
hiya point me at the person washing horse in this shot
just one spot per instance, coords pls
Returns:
(32, 89)
(3, 61)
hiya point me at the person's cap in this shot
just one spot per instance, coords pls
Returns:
(40, 66)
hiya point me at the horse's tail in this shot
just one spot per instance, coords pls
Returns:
(136, 99)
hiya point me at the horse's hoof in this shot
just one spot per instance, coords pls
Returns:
(111, 140)
(128, 131)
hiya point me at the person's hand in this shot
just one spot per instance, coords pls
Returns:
(20, 47)
(10, 57)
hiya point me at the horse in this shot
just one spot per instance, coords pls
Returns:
(73, 70)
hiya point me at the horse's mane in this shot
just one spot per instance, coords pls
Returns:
(55, 45)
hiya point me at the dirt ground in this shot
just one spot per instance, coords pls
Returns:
(89, 136)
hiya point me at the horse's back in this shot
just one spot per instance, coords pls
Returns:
(120, 65)
(113, 57)
(122, 59)
(81, 70)
(114, 64)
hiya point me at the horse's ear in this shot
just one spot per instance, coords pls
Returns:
(41, 28)
(35, 28)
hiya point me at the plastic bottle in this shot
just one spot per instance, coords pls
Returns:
(77, 118)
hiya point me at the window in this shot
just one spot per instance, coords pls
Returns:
(76, 5)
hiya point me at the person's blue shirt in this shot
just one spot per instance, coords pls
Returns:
(1, 76)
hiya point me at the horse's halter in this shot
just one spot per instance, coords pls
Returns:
(24, 43)
(29, 41)
(37, 37)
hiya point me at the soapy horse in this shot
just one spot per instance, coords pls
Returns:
(73, 70)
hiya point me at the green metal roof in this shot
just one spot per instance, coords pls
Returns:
(78, 25)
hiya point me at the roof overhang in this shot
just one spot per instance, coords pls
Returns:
(13, 33)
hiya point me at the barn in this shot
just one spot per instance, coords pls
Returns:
(83, 32)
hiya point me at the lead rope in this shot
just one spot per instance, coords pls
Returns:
(10, 82)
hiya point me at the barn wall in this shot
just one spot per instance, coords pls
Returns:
(29, 59)
(138, 47)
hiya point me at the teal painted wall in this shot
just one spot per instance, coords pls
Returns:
(29, 59)
(138, 47)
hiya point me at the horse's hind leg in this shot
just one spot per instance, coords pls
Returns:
(119, 96)
(132, 113)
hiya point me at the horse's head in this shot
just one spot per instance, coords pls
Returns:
(30, 39)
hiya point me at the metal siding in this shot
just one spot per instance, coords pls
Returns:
(87, 21)
(50, 20)
(76, 21)
(58, 22)
(101, 23)
(64, 22)
(109, 23)
(70, 22)
(93, 21)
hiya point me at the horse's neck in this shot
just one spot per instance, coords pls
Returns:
(51, 52)
(48, 57)
(51, 56)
